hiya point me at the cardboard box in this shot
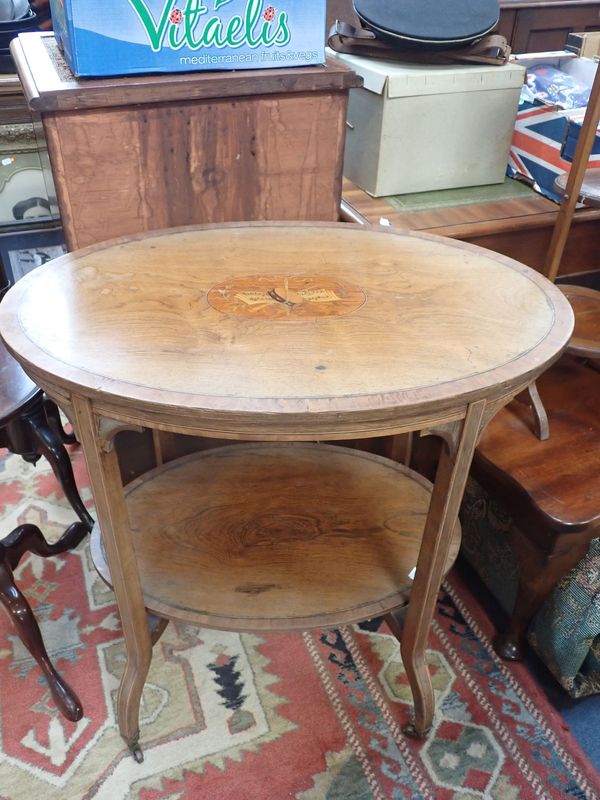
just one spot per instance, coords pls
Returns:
(121, 37)
(585, 44)
(572, 137)
(416, 128)
(545, 136)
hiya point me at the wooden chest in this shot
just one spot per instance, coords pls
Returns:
(138, 153)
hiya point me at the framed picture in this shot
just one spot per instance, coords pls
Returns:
(23, 251)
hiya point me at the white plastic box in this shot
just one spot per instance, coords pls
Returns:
(416, 128)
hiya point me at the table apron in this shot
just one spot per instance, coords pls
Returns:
(332, 426)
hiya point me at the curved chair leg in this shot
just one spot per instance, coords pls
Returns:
(29, 539)
(49, 445)
(539, 572)
(53, 417)
(540, 418)
(21, 539)
(531, 397)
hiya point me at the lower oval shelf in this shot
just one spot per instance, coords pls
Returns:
(276, 536)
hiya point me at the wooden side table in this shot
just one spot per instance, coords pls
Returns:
(284, 335)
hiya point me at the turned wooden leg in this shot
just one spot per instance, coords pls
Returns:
(53, 417)
(48, 443)
(21, 539)
(539, 573)
(453, 468)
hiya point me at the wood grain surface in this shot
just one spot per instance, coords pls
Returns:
(551, 488)
(559, 477)
(277, 536)
(49, 84)
(585, 302)
(520, 228)
(119, 171)
(130, 324)
(144, 152)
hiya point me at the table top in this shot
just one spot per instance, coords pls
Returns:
(239, 327)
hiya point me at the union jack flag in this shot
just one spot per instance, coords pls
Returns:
(543, 145)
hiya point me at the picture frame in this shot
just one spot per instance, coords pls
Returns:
(21, 251)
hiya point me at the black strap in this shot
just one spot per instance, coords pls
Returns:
(344, 38)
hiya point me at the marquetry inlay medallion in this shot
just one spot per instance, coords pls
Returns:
(286, 297)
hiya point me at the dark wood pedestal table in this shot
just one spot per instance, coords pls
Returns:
(279, 336)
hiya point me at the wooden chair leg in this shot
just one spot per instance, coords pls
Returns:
(157, 627)
(53, 417)
(539, 573)
(21, 539)
(532, 398)
(540, 418)
(48, 444)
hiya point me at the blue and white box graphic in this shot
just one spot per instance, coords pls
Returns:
(120, 37)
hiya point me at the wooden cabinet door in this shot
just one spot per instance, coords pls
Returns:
(547, 26)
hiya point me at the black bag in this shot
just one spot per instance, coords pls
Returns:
(429, 23)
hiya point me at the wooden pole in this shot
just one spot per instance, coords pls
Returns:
(575, 179)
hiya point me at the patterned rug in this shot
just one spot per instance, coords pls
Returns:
(314, 716)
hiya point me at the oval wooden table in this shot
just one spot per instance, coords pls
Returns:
(282, 335)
